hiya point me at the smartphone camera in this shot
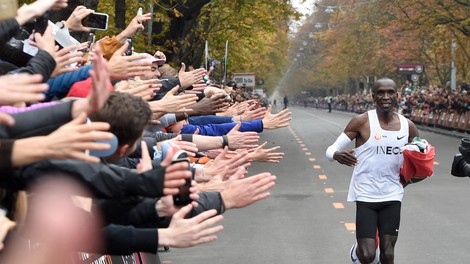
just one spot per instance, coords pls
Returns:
(128, 51)
(38, 26)
(182, 198)
(41, 24)
(98, 21)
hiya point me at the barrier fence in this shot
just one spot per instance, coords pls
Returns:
(446, 120)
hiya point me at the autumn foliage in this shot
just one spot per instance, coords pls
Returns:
(367, 38)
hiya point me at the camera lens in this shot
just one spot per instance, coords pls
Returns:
(465, 143)
(464, 149)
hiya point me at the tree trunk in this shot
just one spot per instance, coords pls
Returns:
(180, 28)
(120, 14)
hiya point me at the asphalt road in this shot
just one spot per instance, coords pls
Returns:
(307, 218)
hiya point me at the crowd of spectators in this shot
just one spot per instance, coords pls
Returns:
(89, 138)
(413, 101)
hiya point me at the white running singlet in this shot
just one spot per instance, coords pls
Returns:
(376, 178)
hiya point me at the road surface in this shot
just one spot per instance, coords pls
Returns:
(307, 218)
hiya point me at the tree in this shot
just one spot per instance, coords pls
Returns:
(370, 38)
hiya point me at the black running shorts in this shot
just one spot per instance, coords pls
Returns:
(384, 216)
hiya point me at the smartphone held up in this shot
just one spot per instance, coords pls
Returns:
(182, 198)
(97, 21)
(139, 13)
(128, 51)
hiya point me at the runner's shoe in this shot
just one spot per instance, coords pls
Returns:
(377, 256)
(355, 259)
(353, 255)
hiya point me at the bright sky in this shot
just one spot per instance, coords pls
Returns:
(305, 7)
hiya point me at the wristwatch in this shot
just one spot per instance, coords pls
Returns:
(60, 24)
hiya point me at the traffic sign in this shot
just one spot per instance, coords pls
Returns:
(245, 79)
(410, 68)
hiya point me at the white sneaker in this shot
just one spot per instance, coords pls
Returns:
(353, 255)
(355, 259)
(377, 256)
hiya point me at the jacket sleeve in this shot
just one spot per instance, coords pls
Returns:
(168, 82)
(125, 240)
(38, 122)
(165, 121)
(223, 129)
(15, 110)
(6, 149)
(14, 56)
(135, 211)
(109, 46)
(60, 85)
(131, 163)
(8, 29)
(104, 181)
(43, 63)
(210, 119)
(208, 201)
(137, 154)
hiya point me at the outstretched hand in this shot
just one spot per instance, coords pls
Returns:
(209, 105)
(251, 113)
(214, 167)
(100, 83)
(260, 154)
(122, 67)
(190, 232)
(146, 89)
(21, 88)
(240, 140)
(171, 103)
(75, 137)
(234, 110)
(245, 191)
(66, 60)
(273, 121)
(191, 77)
